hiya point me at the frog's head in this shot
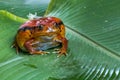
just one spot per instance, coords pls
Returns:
(49, 24)
(43, 25)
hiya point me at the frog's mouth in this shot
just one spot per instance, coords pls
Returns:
(47, 38)
(46, 42)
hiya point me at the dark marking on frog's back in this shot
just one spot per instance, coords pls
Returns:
(40, 27)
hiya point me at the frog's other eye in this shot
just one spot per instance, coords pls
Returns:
(58, 24)
(25, 28)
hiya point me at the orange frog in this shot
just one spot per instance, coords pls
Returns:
(37, 35)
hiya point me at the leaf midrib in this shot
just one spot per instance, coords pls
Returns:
(12, 16)
(95, 44)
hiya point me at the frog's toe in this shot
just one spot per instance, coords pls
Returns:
(46, 52)
(61, 52)
(56, 49)
(14, 45)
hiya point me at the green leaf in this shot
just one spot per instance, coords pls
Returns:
(92, 28)
(24, 7)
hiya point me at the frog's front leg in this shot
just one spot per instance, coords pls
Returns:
(30, 48)
(64, 42)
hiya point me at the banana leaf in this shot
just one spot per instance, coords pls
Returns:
(92, 29)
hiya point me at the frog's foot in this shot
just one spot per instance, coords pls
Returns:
(60, 52)
(14, 45)
(39, 52)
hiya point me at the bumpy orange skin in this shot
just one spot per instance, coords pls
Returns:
(37, 35)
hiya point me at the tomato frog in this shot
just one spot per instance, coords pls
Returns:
(37, 35)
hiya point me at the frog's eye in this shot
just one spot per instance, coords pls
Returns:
(40, 27)
(58, 24)
(25, 28)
